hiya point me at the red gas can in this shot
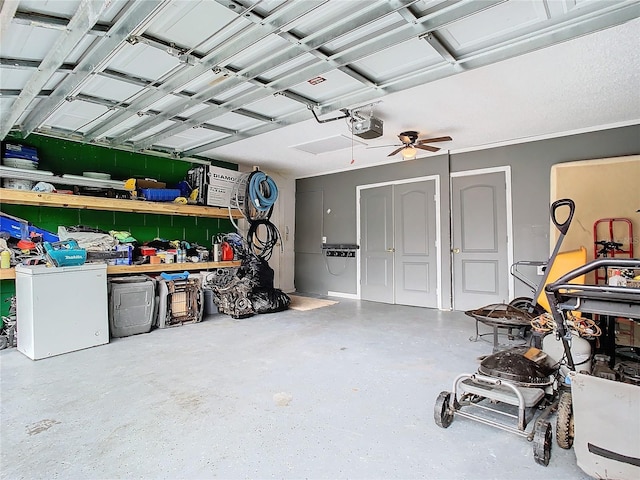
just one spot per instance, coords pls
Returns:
(227, 252)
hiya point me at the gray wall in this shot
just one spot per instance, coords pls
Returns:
(530, 170)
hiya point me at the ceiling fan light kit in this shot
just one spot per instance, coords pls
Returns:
(409, 153)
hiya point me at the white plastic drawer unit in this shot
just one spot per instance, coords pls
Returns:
(61, 309)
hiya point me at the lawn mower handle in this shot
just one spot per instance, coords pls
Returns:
(565, 202)
(563, 227)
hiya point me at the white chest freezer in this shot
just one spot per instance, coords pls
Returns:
(61, 309)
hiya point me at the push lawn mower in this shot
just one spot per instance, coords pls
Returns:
(511, 386)
(508, 390)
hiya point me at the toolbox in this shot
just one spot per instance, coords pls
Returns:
(23, 230)
(14, 226)
(66, 253)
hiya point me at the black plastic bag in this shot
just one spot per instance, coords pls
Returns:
(269, 300)
(259, 271)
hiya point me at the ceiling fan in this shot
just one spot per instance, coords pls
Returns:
(410, 142)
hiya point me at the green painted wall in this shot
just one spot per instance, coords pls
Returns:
(66, 157)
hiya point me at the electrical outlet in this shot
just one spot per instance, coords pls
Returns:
(540, 269)
(324, 239)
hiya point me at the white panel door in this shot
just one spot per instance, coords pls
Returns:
(416, 272)
(479, 241)
(398, 255)
(376, 244)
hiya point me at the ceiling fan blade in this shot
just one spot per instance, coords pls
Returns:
(396, 151)
(427, 147)
(436, 139)
(383, 146)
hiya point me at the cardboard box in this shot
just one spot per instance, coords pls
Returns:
(217, 186)
(148, 183)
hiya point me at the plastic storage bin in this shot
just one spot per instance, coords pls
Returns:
(22, 229)
(159, 194)
(20, 151)
(210, 307)
(132, 305)
(14, 226)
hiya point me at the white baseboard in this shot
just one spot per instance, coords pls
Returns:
(352, 296)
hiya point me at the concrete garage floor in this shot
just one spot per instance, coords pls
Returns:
(344, 391)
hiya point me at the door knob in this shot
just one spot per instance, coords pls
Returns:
(391, 249)
(456, 250)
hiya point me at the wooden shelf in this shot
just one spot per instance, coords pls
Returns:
(168, 267)
(22, 197)
(7, 273)
(10, 273)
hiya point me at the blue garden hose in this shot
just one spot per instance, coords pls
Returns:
(261, 194)
(263, 191)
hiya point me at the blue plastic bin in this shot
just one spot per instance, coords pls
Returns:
(19, 228)
(20, 151)
(159, 194)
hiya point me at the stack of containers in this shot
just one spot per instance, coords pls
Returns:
(23, 158)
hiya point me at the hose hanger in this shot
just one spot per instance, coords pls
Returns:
(261, 193)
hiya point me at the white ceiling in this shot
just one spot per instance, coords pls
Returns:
(229, 79)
